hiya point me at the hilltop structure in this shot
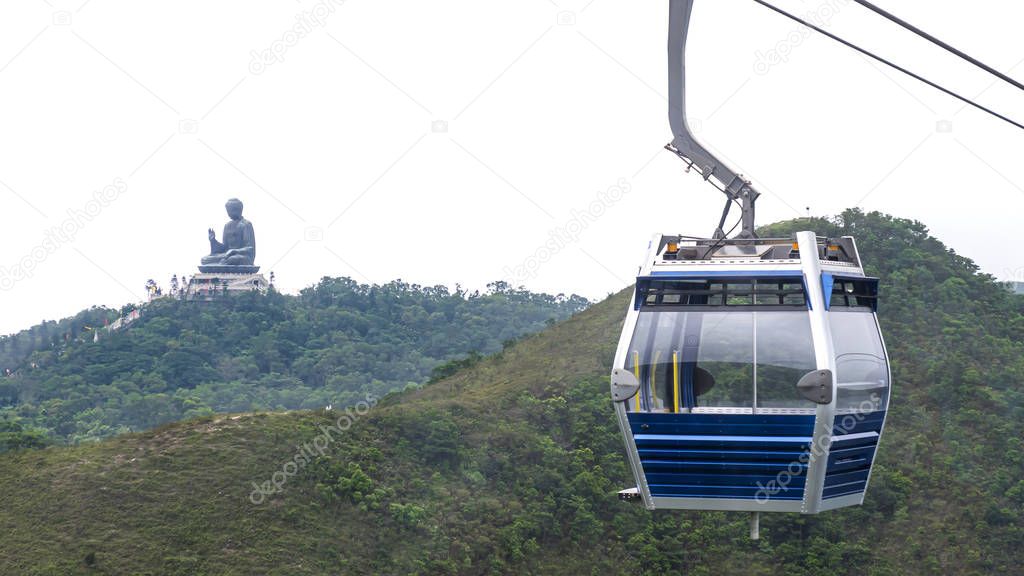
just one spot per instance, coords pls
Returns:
(230, 266)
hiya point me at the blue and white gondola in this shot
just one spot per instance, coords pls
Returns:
(751, 375)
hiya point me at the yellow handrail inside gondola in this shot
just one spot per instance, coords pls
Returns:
(636, 372)
(675, 378)
(654, 372)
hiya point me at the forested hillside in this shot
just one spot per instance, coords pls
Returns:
(331, 345)
(15, 349)
(510, 465)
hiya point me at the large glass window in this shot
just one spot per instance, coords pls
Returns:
(691, 359)
(862, 373)
(784, 353)
(725, 350)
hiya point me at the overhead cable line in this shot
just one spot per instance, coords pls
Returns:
(889, 63)
(907, 25)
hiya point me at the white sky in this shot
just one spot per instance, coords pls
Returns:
(548, 102)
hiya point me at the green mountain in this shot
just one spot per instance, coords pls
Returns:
(332, 344)
(510, 465)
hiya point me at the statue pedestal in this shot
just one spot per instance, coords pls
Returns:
(209, 285)
(226, 269)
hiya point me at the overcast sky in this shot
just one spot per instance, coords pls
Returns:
(467, 141)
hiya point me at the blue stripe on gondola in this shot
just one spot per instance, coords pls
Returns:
(738, 469)
(850, 460)
(846, 478)
(722, 424)
(698, 453)
(746, 493)
(841, 446)
(857, 423)
(843, 490)
(736, 480)
(857, 441)
(827, 282)
(728, 441)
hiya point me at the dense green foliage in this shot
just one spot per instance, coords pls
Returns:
(509, 465)
(15, 349)
(331, 345)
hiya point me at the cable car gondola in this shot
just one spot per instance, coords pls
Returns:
(751, 374)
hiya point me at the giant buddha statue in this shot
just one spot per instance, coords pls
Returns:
(237, 252)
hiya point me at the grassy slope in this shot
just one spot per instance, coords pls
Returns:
(176, 500)
(510, 466)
